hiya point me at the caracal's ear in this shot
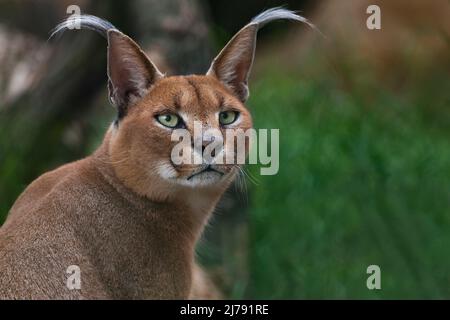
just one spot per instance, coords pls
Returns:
(130, 71)
(233, 64)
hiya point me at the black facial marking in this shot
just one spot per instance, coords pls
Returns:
(221, 99)
(196, 89)
(121, 112)
(177, 101)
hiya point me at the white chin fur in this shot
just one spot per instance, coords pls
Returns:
(167, 172)
(201, 180)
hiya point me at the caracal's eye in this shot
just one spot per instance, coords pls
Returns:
(228, 117)
(168, 120)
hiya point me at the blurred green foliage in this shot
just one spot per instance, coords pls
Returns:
(364, 179)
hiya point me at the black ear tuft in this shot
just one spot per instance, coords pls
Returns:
(130, 71)
(233, 64)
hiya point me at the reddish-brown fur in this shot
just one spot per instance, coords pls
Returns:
(131, 234)
(127, 215)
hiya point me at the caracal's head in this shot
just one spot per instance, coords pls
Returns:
(174, 132)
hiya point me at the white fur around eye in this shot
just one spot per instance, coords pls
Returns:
(231, 125)
(184, 116)
(162, 126)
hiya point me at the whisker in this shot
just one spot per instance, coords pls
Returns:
(250, 176)
(241, 184)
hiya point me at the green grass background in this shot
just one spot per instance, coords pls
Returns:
(364, 179)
